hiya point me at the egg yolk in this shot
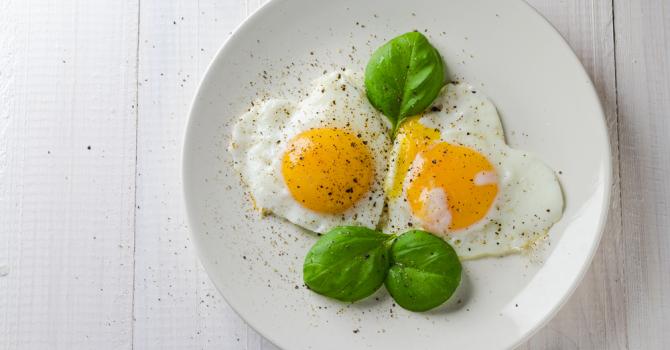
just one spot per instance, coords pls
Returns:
(328, 170)
(412, 137)
(451, 187)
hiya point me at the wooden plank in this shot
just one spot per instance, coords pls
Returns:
(67, 173)
(176, 306)
(593, 318)
(643, 74)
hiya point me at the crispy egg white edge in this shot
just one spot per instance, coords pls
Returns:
(260, 138)
(527, 187)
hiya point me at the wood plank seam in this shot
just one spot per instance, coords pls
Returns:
(618, 153)
(137, 135)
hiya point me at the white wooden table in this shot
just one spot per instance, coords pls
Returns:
(94, 251)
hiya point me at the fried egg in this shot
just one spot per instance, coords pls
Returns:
(451, 173)
(318, 163)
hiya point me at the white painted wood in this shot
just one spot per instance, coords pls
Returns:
(593, 317)
(176, 306)
(67, 165)
(643, 75)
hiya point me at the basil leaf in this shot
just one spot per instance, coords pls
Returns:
(425, 271)
(404, 76)
(348, 263)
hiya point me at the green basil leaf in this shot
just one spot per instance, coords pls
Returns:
(425, 271)
(404, 76)
(348, 263)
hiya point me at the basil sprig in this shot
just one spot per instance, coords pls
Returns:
(403, 77)
(349, 263)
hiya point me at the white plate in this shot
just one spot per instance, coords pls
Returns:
(548, 106)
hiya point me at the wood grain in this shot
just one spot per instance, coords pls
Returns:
(67, 165)
(643, 76)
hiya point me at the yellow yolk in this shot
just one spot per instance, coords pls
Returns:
(413, 137)
(452, 187)
(327, 170)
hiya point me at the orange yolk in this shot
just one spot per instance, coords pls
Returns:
(327, 170)
(451, 187)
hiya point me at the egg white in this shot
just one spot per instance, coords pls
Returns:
(261, 137)
(529, 199)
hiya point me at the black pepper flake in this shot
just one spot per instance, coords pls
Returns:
(356, 331)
